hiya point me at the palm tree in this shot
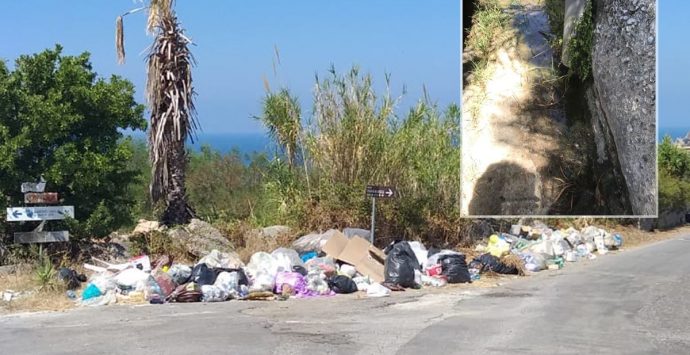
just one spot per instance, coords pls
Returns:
(169, 94)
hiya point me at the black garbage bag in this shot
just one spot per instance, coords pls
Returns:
(203, 275)
(71, 278)
(432, 251)
(400, 265)
(492, 263)
(454, 267)
(342, 284)
(300, 270)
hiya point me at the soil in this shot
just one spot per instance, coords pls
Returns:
(513, 119)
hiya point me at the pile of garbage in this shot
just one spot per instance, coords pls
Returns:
(322, 265)
(541, 248)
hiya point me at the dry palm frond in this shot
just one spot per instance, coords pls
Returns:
(158, 9)
(120, 35)
(170, 95)
(119, 40)
(513, 260)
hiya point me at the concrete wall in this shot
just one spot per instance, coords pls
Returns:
(624, 87)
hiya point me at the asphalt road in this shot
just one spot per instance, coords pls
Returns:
(632, 302)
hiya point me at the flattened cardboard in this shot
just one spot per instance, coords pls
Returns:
(366, 258)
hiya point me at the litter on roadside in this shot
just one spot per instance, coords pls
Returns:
(332, 263)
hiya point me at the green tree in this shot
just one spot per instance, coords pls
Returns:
(59, 120)
(170, 96)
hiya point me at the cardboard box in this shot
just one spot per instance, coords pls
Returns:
(366, 258)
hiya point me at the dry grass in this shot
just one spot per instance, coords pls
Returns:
(633, 237)
(32, 299)
(513, 260)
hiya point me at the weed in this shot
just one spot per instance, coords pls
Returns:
(580, 45)
(45, 272)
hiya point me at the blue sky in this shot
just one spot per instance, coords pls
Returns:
(417, 43)
(673, 62)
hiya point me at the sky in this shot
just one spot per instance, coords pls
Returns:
(418, 43)
(673, 63)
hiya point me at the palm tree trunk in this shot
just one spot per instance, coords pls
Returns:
(177, 209)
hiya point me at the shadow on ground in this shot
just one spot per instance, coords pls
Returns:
(505, 189)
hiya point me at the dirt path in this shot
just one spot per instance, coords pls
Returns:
(512, 122)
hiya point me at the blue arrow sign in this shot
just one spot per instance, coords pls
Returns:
(19, 214)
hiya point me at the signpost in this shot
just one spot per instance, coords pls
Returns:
(41, 237)
(377, 192)
(34, 194)
(21, 214)
(48, 198)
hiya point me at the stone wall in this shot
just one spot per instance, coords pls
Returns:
(624, 86)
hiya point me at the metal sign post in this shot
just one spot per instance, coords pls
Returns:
(380, 192)
(34, 194)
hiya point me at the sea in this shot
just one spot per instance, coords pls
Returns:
(259, 142)
(244, 143)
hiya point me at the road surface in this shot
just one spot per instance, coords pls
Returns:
(631, 302)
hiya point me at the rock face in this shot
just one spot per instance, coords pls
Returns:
(200, 238)
(624, 88)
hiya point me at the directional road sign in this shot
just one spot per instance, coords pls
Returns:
(41, 237)
(41, 197)
(380, 191)
(19, 214)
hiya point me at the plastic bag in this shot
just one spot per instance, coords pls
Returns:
(533, 261)
(432, 261)
(492, 263)
(497, 246)
(225, 287)
(285, 259)
(455, 268)
(377, 290)
(419, 251)
(316, 282)
(212, 293)
(216, 259)
(180, 273)
(308, 256)
(153, 291)
(262, 270)
(295, 281)
(342, 284)
(400, 265)
(362, 282)
(348, 270)
(71, 278)
(91, 291)
(128, 279)
(313, 241)
(324, 264)
(433, 281)
(203, 275)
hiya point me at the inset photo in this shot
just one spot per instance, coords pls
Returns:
(559, 108)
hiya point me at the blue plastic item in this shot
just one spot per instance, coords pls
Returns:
(91, 291)
(308, 256)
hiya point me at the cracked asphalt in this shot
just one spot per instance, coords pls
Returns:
(631, 302)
